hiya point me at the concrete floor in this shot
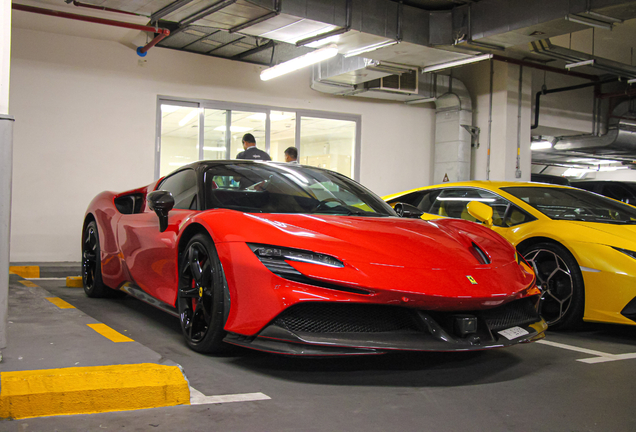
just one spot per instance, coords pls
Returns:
(534, 387)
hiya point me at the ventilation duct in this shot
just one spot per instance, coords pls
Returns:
(619, 141)
(361, 77)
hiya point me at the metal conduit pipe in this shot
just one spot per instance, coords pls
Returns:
(162, 33)
(492, 73)
(559, 90)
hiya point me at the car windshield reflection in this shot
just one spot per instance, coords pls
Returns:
(574, 205)
(279, 188)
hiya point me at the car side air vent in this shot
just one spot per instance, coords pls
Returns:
(479, 254)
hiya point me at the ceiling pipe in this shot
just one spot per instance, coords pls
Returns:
(563, 89)
(162, 33)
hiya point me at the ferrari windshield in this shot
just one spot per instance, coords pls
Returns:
(288, 188)
(574, 204)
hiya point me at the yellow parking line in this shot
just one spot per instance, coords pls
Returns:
(26, 271)
(109, 333)
(28, 283)
(60, 303)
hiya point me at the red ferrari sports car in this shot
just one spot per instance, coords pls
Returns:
(299, 260)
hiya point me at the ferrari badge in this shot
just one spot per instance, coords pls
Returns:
(472, 280)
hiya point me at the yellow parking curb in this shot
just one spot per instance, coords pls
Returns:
(74, 282)
(87, 390)
(26, 271)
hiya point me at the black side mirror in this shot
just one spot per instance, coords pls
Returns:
(408, 211)
(161, 202)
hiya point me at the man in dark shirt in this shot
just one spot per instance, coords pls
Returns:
(251, 152)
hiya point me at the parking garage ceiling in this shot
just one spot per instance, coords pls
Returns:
(413, 33)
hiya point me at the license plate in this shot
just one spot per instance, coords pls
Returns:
(513, 333)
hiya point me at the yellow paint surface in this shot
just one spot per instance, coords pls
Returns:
(26, 271)
(60, 303)
(74, 282)
(28, 283)
(85, 390)
(109, 333)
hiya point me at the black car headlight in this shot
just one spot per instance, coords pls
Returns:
(626, 252)
(276, 253)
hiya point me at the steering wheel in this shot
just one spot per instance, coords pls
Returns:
(326, 200)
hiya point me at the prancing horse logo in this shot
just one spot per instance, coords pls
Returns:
(472, 280)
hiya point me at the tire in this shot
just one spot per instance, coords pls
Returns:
(561, 282)
(200, 299)
(91, 263)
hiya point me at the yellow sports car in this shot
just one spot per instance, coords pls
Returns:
(581, 245)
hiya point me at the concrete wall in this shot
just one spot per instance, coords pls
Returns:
(85, 114)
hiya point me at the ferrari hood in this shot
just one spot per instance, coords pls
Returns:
(409, 243)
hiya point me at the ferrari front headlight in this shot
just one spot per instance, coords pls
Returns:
(289, 254)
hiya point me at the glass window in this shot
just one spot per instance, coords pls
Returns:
(179, 137)
(574, 204)
(618, 192)
(453, 202)
(281, 188)
(328, 143)
(183, 187)
(282, 134)
(246, 122)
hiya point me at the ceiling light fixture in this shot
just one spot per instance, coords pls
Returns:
(631, 81)
(189, 116)
(371, 47)
(588, 22)
(579, 64)
(300, 62)
(540, 145)
(455, 63)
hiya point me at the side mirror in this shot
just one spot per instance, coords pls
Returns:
(480, 211)
(161, 202)
(407, 211)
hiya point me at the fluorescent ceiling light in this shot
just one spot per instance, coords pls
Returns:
(189, 116)
(579, 64)
(221, 149)
(574, 172)
(589, 22)
(457, 63)
(371, 47)
(540, 145)
(169, 108)
(233, 128)
(300, 62)
(631, 81)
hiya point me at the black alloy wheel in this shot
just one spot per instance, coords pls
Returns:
(91, 264)
(200, 299)
(561, 282)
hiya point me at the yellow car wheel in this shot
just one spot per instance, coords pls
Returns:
(561, 282)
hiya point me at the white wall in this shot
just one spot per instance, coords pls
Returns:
(85, 114)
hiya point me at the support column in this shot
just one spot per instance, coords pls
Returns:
(505, 129)
(6, 165)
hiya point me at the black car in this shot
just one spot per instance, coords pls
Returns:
(619, 190)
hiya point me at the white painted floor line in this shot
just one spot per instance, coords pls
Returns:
(198, 398)
(47, 278)
(601, 357)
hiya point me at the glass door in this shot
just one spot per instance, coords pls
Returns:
(328, 143)
(243, 122)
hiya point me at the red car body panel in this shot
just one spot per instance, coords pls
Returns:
(406, 262)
